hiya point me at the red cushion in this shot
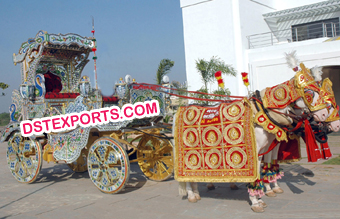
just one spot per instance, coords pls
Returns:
(52, 95)
(110, 99)
(52, 83)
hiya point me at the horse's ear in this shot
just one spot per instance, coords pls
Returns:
(317, 73)
(292, 60)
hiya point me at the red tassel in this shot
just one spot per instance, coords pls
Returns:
(271, 147)
(92, 31)
(312, 148)
(244, 74)
(218, 74)
(326, 151)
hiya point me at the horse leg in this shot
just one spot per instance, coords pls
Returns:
(278, 175)
(267, 174)
(194, 186)
(255, 193)
(191, 195)
(233, 186)
(210, 186)
(261, 202)
(275, 169)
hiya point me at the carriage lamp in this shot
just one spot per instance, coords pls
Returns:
(27, 91)
(166, 86)
(85, 86)
(120, 88)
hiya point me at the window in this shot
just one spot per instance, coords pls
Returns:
(317, 29)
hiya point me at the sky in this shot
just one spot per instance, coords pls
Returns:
(133, 36)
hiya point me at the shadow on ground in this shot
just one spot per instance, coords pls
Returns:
(294, 175)
(61, 172)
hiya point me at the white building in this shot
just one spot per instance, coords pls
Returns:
(253, 35)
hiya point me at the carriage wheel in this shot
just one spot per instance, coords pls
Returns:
(80, 165)
(108, 165)
(155, 158)
(24, 158)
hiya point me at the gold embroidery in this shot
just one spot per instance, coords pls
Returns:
(234, 111)
(192, 159)
(213, 158)
(304, 80)
(214, 136)
(262, 120)
(206, 164)
(234, 159)
(191, 115)
(233, 133)
(190, 137)
(211, 137)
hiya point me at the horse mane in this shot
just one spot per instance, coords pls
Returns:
(292, 60)
(317, 73)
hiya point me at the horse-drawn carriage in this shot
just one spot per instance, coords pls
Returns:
(52, 84)
(211, 144)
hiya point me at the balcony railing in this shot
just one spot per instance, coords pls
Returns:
(294, 34)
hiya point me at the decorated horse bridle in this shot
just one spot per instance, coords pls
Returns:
(328, 96)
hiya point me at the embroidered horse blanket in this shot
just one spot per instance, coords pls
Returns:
(215, 144)
(280, 96)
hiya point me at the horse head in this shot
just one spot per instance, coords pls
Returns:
(333, 119)
(310, 92)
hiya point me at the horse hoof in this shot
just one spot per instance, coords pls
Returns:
(211, 187)
(257, 208)
(271, 194)
(233, 187)
(197, 196)
(192, 199)
(278, 190)
(263, 204)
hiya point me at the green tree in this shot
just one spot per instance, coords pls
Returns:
(181, 90)
(207, 69)
(163, 68)
(3, 86)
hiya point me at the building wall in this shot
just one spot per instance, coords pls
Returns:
(219, 28)
(268, 65)
(286, 4)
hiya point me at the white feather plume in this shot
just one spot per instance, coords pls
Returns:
(292, 60)
(317, 73)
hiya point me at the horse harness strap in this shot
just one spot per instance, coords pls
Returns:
(257, 99)
(258, 96)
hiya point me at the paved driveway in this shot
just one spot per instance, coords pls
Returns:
(311, 191)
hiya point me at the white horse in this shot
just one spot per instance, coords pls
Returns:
(263, 140)
(272, 156)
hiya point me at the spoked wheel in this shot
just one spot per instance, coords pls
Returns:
(24, 158)
(155, 157)
(108, 165)
(80, 165)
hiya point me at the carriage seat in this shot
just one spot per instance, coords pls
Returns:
(53, 87)
(110, 99)
(52, 83)
(52, 95)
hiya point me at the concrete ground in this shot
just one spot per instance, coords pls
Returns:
(310, 191)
